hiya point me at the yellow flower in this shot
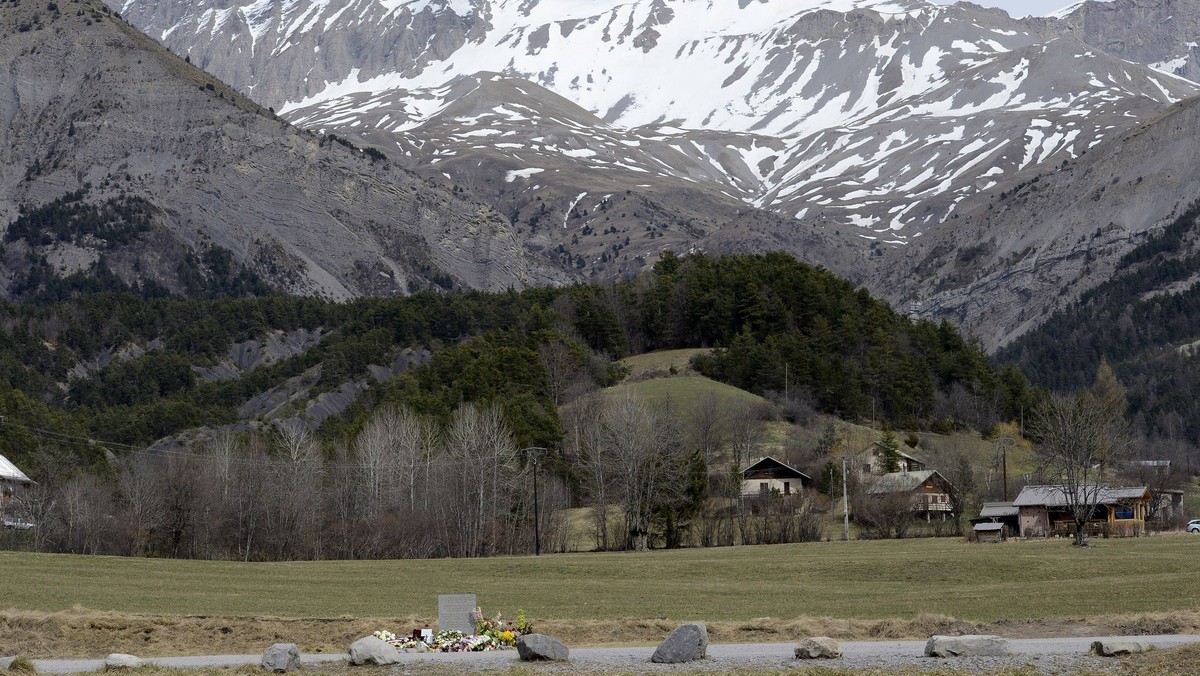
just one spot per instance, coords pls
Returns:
(506, 636)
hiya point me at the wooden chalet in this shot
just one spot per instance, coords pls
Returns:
(930, 491)
(768, 476)
(1119, 512)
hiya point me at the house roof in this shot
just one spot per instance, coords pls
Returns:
(995, 510)
(770, 467)
(877, 445)
(987, 527)
(1056, 496)
(902, 482)
(9, 472)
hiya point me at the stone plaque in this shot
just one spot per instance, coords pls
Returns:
(455, 612)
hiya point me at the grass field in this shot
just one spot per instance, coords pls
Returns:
(857, 589)
(866, 580)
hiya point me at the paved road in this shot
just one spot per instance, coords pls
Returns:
(721, 656)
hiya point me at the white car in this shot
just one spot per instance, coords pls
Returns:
(1193, 526)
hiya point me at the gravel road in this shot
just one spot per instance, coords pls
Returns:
(1047, 655)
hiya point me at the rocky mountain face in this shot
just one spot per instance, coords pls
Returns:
(1000, 270)
(900, 143)
(155, 172)
(880, 115)
(1164, 33)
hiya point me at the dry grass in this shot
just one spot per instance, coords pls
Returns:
(661, 363)
(22, 665)
(682, 391)
(91, 634)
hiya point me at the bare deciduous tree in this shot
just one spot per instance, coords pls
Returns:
(477, 473)
(1080, 435)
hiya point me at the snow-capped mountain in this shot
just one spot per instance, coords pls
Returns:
(884, 114)
(606, 131)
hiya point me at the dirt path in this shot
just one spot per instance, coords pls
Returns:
(1048, 655)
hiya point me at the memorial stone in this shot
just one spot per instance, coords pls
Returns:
(456, 612)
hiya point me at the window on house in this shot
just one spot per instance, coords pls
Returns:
(763, 488)
(787, 488)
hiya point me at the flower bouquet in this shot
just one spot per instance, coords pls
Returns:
(490, 634)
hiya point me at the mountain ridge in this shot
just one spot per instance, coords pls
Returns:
(94, 105)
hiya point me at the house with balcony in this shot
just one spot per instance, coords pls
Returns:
(928, 491)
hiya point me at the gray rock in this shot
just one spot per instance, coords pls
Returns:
(971, 645)
(539, 647)
(6, 662)
(373, 650)
(281, 658)
(818, 648)
(1120, 647)
(123, 661)
(688, 643)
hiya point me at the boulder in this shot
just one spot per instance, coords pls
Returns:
(971, 645)
(539, 647)
(123, 661)
(373, 650)
(818, 648)
(281, 658)
(1119, 647)
(688, 643)
(6, 662)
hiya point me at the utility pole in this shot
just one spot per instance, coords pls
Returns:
(845, 505)
(1004, 469)
(537, 531)
(535, 457)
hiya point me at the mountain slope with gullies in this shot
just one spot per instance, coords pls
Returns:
(126, 164)
(1004, 268)
(883, 115)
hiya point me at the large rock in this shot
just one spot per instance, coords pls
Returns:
(688, 643)
(1120, 647)
(818, 648)
(373, 650)
(539, 647)
(281, 658)
(971, 645)
(123, 661)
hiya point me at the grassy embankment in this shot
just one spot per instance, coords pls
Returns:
(863, 589)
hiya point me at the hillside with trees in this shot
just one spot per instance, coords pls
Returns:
(1146, 334)
(201, 426)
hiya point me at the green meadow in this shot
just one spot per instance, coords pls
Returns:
(846, 580)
